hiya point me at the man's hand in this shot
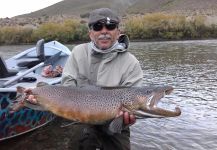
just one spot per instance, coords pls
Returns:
(129, 119)
(31, 98)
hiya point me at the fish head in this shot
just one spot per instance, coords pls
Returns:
(139, 97)
(152, 95)
(148, 98)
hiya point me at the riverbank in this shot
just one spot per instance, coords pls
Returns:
(154, 26)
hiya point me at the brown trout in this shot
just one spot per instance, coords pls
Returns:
(97, 105)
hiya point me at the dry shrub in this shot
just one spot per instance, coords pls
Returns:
(15, 35)
(166, 26)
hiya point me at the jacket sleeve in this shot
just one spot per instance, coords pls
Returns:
(133, 75)
(70, 72)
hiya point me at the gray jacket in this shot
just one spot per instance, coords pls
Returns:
(85, 66)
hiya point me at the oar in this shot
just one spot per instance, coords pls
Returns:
(50, 60)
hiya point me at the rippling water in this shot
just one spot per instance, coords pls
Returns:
(8, 51)
(191, 68)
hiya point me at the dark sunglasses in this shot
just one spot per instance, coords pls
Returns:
(99, 26)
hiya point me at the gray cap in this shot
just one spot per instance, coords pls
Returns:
(103, 14)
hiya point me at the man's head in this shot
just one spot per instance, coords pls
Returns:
(103, 24)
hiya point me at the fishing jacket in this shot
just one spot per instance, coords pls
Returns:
(86, 66)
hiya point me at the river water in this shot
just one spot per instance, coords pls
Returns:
(191, 68)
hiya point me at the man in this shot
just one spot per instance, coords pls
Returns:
(103, 62)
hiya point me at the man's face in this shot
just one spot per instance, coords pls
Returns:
(104, 35)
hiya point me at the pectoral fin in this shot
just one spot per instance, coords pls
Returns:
(116, 125)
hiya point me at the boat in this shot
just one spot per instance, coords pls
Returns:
(25, 69)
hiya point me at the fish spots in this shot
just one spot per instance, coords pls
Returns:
(92, 105)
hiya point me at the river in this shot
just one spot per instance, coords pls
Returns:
(191, 68)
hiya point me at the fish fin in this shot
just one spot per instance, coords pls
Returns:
(34, 106)
(40, 84)
(17, 105)
(116, 125)
(69, 124)
(20, 89)
(19, 94)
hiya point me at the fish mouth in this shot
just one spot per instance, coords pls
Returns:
(150, 108)
(157, 113)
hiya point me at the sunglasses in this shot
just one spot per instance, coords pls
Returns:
(99, 26)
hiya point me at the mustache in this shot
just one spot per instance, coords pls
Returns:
(104, 37)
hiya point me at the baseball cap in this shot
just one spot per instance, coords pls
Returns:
(103, 14)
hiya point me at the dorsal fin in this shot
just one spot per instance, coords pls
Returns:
(40, 84)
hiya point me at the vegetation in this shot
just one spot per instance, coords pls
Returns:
(169, 27)
(66, 32)
(15, 35)
(150, 26)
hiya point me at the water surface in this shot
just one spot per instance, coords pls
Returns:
(191, 68)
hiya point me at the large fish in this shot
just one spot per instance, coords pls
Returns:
(97, 105)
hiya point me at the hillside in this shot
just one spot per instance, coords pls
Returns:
(81, 8)
(187, 7)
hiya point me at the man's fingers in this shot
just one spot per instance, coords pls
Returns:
(31, 98)
(28, 91)
(132, 119)
(120, 114)
(126, 118)
(129, 119)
